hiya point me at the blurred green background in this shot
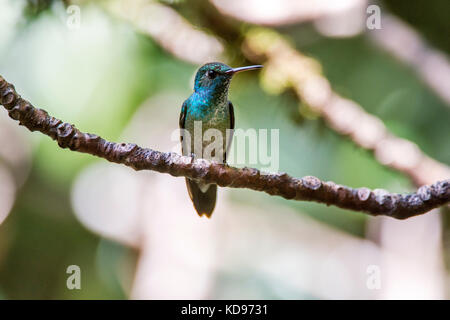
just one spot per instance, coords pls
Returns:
(100, 75)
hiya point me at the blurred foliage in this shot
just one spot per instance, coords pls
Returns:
(430, 19)
(97, 78)
(35, 7)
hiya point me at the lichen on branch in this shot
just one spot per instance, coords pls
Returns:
(376, 202)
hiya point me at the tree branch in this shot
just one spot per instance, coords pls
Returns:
(284, 67)
(377, 202)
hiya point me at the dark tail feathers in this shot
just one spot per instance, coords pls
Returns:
(204, 203)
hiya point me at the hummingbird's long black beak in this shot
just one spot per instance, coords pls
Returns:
(236, 70)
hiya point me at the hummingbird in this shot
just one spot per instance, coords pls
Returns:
(209, 106)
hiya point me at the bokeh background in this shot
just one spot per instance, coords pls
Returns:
(122, 69)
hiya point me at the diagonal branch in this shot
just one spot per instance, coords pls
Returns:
(285, 67)
(377, 202)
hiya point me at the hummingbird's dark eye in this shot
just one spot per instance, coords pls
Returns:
(211, 74)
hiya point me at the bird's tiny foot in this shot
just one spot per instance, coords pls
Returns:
(224, 159)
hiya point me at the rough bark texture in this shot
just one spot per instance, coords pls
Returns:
(376, 202)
